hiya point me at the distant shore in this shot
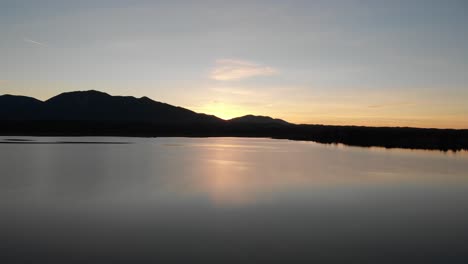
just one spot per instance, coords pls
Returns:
(387, 137)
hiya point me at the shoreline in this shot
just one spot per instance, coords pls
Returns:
(386, 137)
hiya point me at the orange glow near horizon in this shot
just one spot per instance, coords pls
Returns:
(228, 111)
(296, 105)
(222, 110)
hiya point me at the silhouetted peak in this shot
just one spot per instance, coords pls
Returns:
(80, 95)
(94, 105)
(145, 99)
(258, 120)
(18, 99)
(90, 93)
(11, 96)
(15, 107)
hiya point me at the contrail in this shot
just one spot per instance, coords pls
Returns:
(34, 42)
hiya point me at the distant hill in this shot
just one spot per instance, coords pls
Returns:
(252, 119)
(19, 107)
(98, 106)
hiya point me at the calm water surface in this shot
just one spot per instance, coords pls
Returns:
(218, 200)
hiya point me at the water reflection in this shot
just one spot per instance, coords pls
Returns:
(247, 199)
(225, 170)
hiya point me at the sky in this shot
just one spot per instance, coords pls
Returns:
(349, 62)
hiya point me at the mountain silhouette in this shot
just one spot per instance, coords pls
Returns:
(252, 119)
(94, 113)
(98, 106)
(14, 107)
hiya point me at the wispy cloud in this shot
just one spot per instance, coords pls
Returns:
(34, 42)
(391, 105)
(228, 69)
(233, 91)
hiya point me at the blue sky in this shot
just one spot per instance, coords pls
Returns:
(401, 63)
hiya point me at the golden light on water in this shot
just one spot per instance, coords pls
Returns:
(228, 176)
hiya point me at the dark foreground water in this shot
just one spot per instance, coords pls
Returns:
(220, 200)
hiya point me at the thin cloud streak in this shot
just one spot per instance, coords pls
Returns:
(390, 105)
(228, 70)
(233, 91)
(34, 42)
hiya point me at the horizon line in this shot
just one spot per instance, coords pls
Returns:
(255, 115)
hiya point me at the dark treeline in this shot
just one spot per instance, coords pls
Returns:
(388, 137)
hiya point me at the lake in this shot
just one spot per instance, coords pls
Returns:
(219, 200)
